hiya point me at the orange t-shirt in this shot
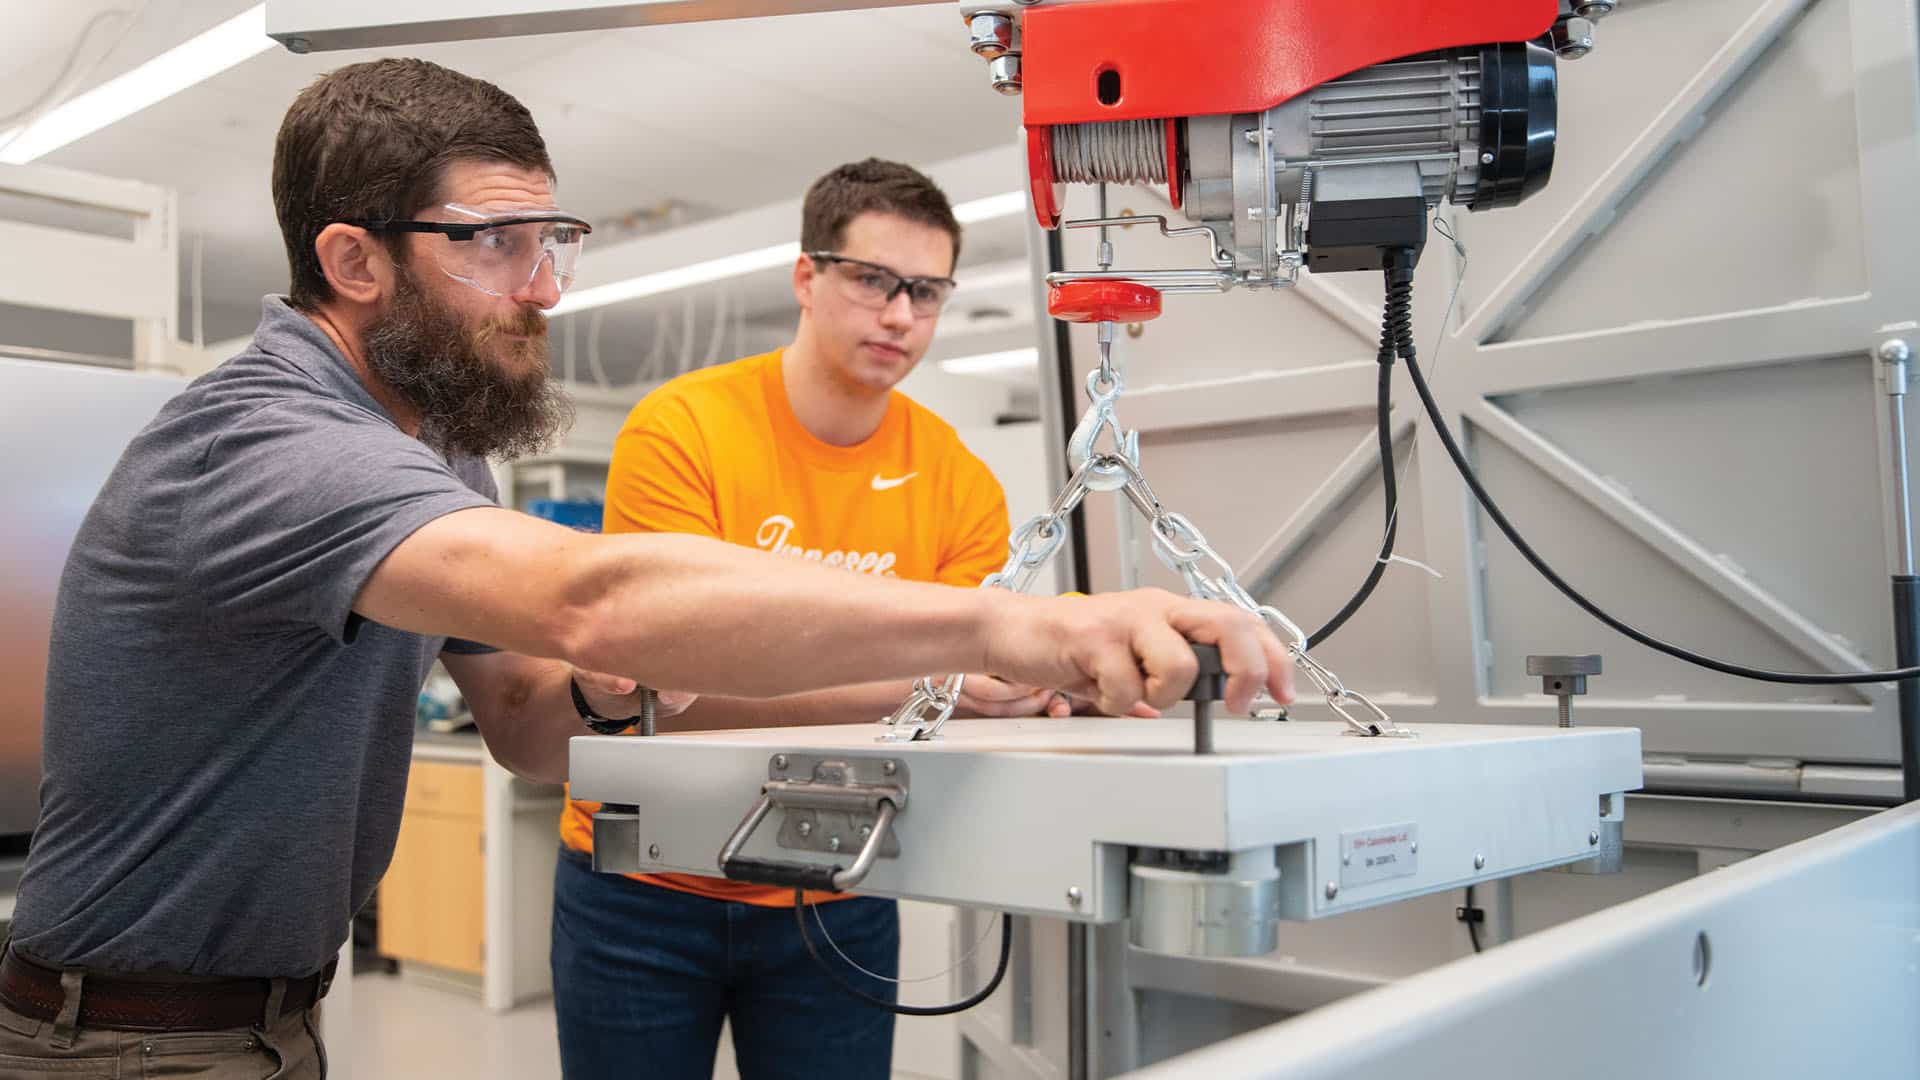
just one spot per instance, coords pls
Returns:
(718, 452)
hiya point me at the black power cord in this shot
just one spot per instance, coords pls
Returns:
(1725, 667)
(1396, 336)
(800, 907)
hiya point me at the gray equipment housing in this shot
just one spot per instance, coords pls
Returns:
(66, 425)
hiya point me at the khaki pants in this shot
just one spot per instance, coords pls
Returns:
(283, 1047)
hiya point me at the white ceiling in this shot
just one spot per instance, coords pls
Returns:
(718, 116)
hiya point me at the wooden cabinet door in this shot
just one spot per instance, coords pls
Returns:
(432, 901)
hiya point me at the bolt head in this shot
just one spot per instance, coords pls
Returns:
(653, 851)
(1479, 862)
(1414, 847)
(833, 843)
(1573, 38)
(1074, 895)
(866, 831)
(779, 761)
(805, 828)
(299, 46)
(890, 767)
(1346, 860)
(991, 35)
(1005, 73)
(1333, 889)
(1486, 157)
(1593, 839)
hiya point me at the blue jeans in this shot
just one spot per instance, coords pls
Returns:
(644, 975)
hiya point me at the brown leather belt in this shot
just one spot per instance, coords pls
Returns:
(153, 1003)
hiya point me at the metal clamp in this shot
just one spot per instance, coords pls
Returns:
(1338, 698)
(1100, 417)
(908, 723)
(1221, 256)
(835, 786)
(1219, 277)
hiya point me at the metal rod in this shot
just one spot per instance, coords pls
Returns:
(1906, 588)
(1203, 727)
(1077, 1001)
(1059, 395)
(869, 851)
(1371, 159)
(1214, 279)
(1498, 928)
(1895, 354)
(1105, 253)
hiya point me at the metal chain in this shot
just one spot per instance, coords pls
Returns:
(1180, 546)
(1031, 547)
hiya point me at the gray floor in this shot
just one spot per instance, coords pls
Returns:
(406, 1030)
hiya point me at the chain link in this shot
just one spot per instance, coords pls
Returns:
(1030, 548)
(1179, 545)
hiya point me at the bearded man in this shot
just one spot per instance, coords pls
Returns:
(256, 596)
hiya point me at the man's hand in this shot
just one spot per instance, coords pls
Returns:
(1061, 706)
(618, 698)
(1122, 650)
(988, 695)
(985, 695)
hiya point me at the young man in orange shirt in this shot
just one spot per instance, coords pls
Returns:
(806, 452)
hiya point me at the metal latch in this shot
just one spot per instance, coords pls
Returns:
(835, 803)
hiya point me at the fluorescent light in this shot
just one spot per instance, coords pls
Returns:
(680, 277)
(1005, 204)
(239, 38)
(993, 363)
(747, 262)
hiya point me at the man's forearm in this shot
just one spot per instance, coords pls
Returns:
(528, 722)
(686, 612)
(700, 615)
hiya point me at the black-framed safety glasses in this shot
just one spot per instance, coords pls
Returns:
(498, 253)
(872, 285)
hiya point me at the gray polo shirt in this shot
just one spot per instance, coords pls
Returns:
(226, 741)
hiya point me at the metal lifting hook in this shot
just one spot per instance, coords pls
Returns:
(1104, 387)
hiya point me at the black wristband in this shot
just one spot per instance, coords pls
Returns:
(600, 725)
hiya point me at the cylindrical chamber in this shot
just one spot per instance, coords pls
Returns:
(1119, 152)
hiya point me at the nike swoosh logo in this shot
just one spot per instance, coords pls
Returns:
(880, 484)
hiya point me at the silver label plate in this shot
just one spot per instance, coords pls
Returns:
(1388, 851)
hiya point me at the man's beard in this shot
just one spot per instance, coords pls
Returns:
(468, 403)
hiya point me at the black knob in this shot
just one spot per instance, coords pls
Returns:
(1210, 683)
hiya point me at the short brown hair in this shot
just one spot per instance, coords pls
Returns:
(373, 141)
(837, 198)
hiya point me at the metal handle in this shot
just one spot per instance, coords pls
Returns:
(783, 873)
(799, 874)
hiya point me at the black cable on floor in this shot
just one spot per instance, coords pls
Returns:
(800, 906)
